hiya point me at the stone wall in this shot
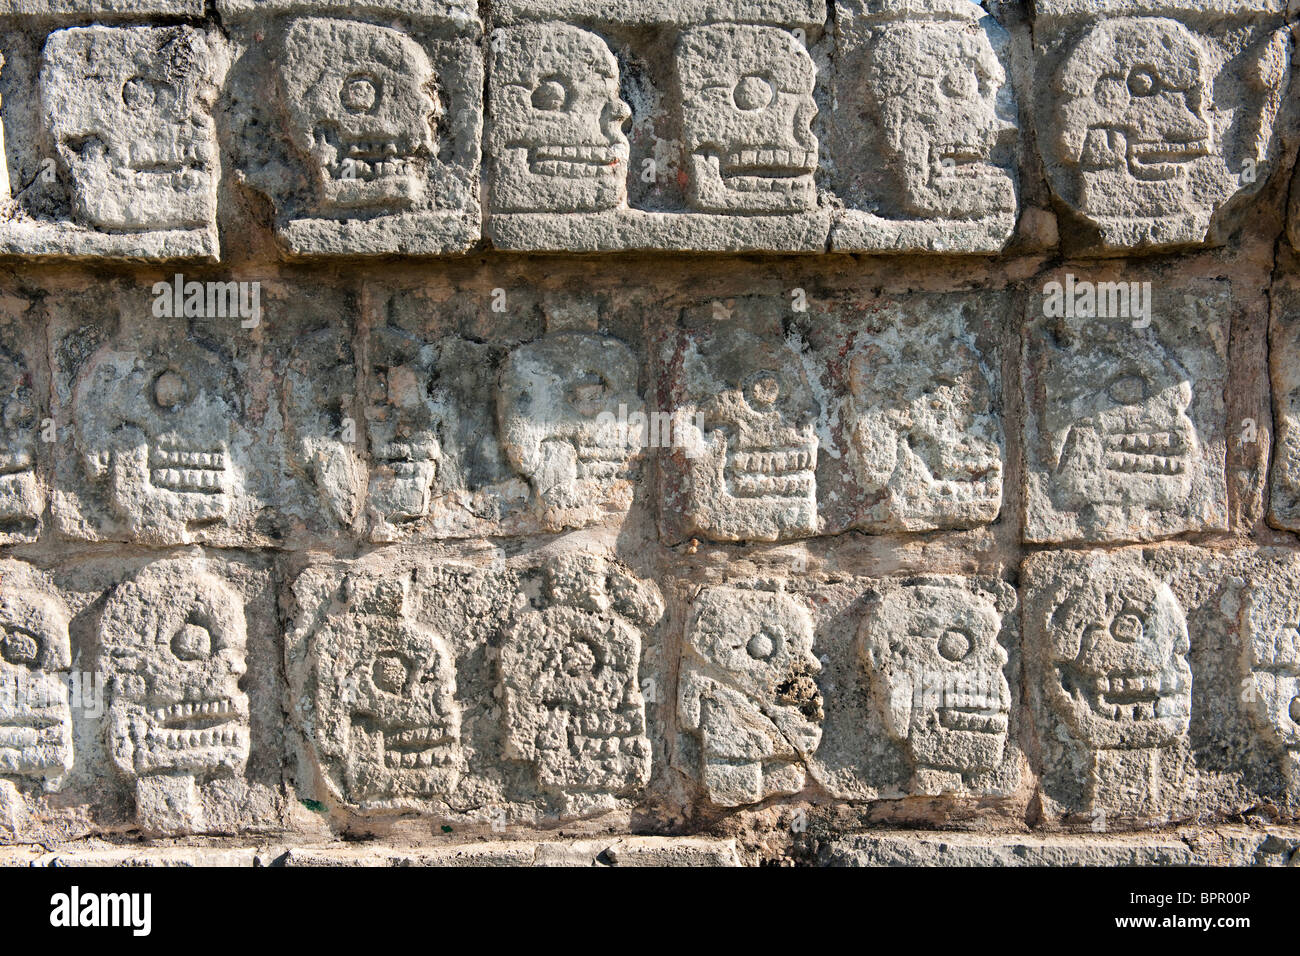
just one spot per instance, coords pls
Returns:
(738, 431)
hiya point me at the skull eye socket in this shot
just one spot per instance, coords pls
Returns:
(20, 647)
(1127, 628)
(763, 390)
(551, 95)
(1295, 709)
(955, 644)
(959, 85)
(390, 673)
(192, 642)
(360, 93)
(753, 92)
(142, 93)
(764, 645)
(170, 389)
(1128, 390)
(1143, 81)
(589, 395)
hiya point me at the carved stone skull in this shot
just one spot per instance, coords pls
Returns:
(747, 112)
(751, 475)
(129, 110)
(569, 678)
(748, 690)
(559, 408)
(403, 424)
(387, 724)
(173, 643)
(1113, 666)
(154, 425)
(1117, 425)
(555, 133)
(1270, 648)
(361, 110)
(22, 501)
(938, 677)
(1135, 117)
(35, 657)
(943, 96)
(925, 437)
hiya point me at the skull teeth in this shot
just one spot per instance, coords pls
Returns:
(791, 462)
(195, 739)
(196, 710)
(774, 162)
(185, 470)
(1131, 464)
(973, 721)
(966, 490)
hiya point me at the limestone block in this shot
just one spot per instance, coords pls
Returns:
(473, 688)
(1125, 426)
(116, 138)
(100, 9)
(747, 692)
(796, 12)
(451, 11)
(369, 141)
(925, 137)
(937, 662)
(1284, 353)
(718, 152)
(158, 424)
(743, 461)
(1160, 121)
(24, 417)
(175, 651)
(1270, 662)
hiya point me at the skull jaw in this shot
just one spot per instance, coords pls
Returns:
(564, 187)
(752, 491)
(404, 496)
(114, 198)
(21, 502)
(1093, 472)
(919, 499)
(142, 743)
(1101, 724)
(710, 190)
(965, 752)
(161, 513)
(391, 762)
(394, 192)
(37, 742)
(1276, 706)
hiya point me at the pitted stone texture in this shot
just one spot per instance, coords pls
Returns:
(572, 421)
(24, 465)
(1284, 365)
(174, 653)
(1125, 427)
(78, 9)
(933, 649)
(437, 11)
(570, 684)
(624, 852)
(747, 694)
(718, 154)
(154, 443)
(1270, 661)
(1155, 123)
(927, 157)
(921, 416)
(35, 658)
(743, 461)
(793, 12)
(375, 146)
(127, 112)
(528, 707)
(378, 699)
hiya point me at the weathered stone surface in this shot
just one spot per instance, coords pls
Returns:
(933, 166)
(375, 144)
(1125, 431)
(1157, 120)
(128, 111)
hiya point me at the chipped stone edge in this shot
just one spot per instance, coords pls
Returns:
(624, 230)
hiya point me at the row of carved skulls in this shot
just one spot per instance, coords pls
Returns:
(383, 717)
(1135, 137)
(739, 446)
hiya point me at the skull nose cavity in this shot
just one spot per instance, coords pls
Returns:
(22, 649)
(192, 642)
(753, 93)
(390, 673)
(169, 390)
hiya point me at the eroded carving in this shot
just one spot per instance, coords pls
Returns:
(569, 679)
(747, 471)
(555, 136)
(747, 113)
(35, 657)
(173, 641)
(361, 111)
(129, 110)
(386, 722)
(152, 427)
(937, 663)
(1270, 656)
(748, 691)
(562, 409)
(922, 428)
(22, 499)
